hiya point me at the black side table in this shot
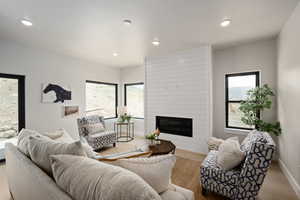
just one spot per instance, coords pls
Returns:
(128, 133)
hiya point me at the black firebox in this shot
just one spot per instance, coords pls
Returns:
(175, 125)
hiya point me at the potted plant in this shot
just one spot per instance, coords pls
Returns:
(259, 99)
(124, 117)
(153, 137)
(150, 138)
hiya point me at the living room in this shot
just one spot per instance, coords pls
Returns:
(145, 82)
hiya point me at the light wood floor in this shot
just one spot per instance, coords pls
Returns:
(186, 174)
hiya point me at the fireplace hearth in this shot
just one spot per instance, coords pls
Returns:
(175, 125)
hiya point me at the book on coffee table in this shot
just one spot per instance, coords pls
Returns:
(130, 154)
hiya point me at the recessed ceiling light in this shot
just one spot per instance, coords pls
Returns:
(225, 22)
(155, 42)
(115, 54)
(26, 22)
(127, 22)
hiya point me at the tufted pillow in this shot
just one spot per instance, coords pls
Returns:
(98, 181)
(229, 154)
(40, 149)
(253, 137)
(156, 170)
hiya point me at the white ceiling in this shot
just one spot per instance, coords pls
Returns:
(93, 29)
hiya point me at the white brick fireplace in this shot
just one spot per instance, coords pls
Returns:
(179, 85)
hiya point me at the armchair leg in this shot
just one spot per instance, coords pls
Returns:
(204, 191)
(114, 144)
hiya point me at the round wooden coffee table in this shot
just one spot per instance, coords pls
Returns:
(165, 147)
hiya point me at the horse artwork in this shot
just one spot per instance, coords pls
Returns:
(53, 93)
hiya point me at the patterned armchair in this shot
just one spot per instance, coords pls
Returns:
(92, 130)
(243, 182)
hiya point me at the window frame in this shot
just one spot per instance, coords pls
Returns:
(116, 95)
(227, 101)
(125, 95)
(21, 98)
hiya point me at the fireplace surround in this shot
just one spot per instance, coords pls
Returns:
(175, 125)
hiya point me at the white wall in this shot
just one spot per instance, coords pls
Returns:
(44, 67)
(255, 56)
(179, 85)
(289, 97)
(134, 75)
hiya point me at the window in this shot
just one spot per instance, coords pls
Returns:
(12, 105)
(237, 86)
(101, 99)
(134, 99)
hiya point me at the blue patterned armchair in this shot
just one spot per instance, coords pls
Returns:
(92, 130)
(243, 182)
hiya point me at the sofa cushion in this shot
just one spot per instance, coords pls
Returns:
(156, 170)
(229, 154)
(23, 139)
(55, 134)
(40, 149)
(66, 138)
(98, 181)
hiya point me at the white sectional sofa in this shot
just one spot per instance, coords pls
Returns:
(28, 182)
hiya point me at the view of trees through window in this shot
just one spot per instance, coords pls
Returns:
(101, 99)
(134, 99)
(12, 105)
(237, 86)
(8, 107)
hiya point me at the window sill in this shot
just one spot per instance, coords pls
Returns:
(237, 131)
(137, 118)
(110, 118)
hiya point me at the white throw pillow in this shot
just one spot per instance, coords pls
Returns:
(66, 138)
(214, 143)
(23, 139)
(84, 178)
(156, 170)
(229, 154)
(55, 134)
(40, 149)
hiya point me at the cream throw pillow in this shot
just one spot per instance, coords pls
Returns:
(84, 178)
(156, 171)
(66, 138)
(23, 139)
(229, 154)
(40, 149)
(55, 134)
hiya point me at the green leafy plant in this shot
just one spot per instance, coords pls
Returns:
(151, 136)
(125, 117)
(259, 99)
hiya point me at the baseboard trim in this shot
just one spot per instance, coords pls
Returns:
(291, 179)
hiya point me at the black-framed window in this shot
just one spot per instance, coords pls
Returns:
(12, 103)
(134, 99)
(236, 87)
(101, 98)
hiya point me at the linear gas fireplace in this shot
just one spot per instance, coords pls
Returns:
(175, 125)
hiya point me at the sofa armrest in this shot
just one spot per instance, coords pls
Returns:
(176, 192)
